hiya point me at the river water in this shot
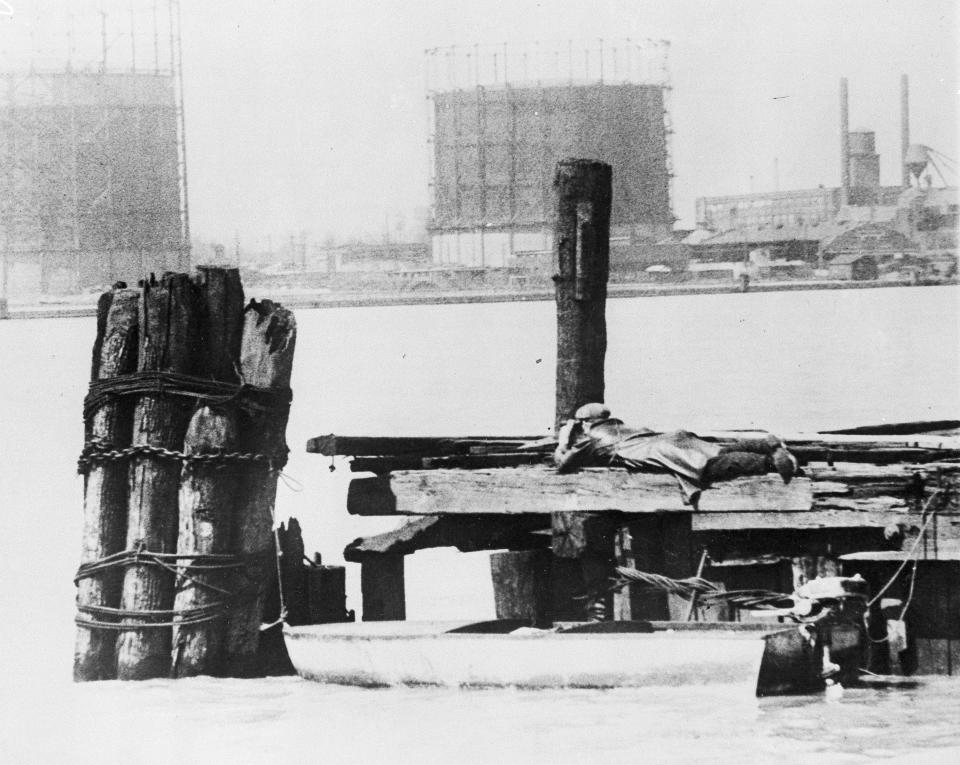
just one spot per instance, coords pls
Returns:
(779, 361)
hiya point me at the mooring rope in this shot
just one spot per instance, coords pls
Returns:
(683, 587)
(209, 562)
(172, 617)
(708, 592)
(912, 553)
(201, 390)
(199, 563)
(250, 398)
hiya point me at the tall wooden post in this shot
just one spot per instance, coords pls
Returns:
(266, 360)
(167, 343)
(207, 501)
(582, 234)
(105, 485)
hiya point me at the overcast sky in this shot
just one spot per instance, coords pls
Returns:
(311, 115)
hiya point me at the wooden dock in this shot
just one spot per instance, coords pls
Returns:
(885, 491)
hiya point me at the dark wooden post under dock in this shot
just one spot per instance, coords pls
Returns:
(382, 588)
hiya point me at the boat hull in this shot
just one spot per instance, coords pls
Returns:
(410, 653)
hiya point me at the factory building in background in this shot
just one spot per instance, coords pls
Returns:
(502, 117)
(860, 196)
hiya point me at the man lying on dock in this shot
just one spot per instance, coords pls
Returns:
(594, 438)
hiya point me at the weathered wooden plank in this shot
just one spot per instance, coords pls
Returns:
(808, 446)
(899, 462)
(841, 442)
(381, 465)
(811, 519)
(466, 533)
(866, 473)
(896, 556)
(539, 489)
(356, 446)
(884, 455)
(900, 428)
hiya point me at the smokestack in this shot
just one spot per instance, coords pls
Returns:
(844, 143)
(904, 128)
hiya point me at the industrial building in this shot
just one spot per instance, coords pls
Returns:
(804, 223)
(503, 117)
(859, 184)
(90, 182)
(92, 172)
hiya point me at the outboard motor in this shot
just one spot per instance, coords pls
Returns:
(840, 605)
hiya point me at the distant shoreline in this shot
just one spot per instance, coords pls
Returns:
(308, 299)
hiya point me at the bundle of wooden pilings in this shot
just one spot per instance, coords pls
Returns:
(184, 439)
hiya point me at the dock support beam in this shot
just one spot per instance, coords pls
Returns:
(382, 588)
(521, 586)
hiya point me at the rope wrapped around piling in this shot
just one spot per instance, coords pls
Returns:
(251, 399)
(105, 617)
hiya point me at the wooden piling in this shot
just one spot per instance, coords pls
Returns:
(584, 194)
(326, 593)
(206, 509)
(582, 233)
(105, 484)
(521, 586)
(266, 360)
(220, 322)
(382, 588)
(167, 343)
(208, 489)
(293, 573)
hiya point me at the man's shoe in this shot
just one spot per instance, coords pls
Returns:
(784, 463)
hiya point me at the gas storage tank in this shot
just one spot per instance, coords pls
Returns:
(496, 150)
(499, 133)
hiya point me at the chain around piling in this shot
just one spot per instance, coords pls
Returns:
(96, 452)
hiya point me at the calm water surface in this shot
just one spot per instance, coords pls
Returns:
(780, 361)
